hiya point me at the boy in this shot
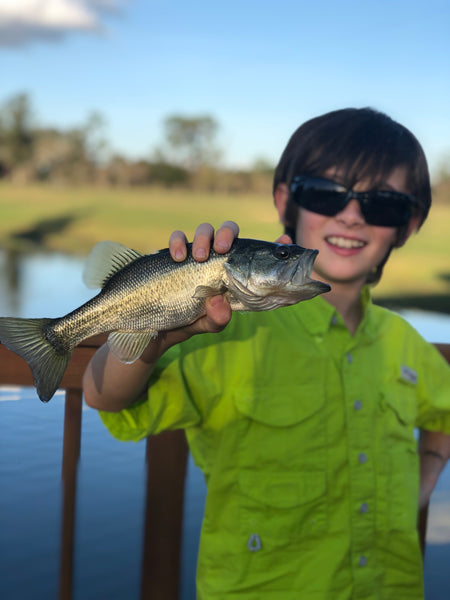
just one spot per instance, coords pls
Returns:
(302, 419)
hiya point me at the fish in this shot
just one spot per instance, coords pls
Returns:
(142, 295)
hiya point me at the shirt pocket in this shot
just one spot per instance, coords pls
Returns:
(282, 506)
(281, 461)
(400, 458)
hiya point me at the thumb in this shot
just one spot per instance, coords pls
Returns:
(218, 313)
(284, 239)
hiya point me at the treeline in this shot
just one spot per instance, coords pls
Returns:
(187, 156)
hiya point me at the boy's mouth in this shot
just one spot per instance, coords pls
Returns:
(344, 242)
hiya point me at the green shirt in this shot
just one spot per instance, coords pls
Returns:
(305, 435)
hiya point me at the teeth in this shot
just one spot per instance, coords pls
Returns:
(341, 242)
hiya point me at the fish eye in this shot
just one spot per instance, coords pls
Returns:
(282, 252)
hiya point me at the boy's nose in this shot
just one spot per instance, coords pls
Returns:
(351, 215)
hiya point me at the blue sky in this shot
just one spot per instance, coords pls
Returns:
(259, 67)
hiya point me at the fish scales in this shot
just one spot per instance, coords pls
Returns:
(151, 294)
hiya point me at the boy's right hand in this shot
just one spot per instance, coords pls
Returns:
(223, 239)
(218, 311)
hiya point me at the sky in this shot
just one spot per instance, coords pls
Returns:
(259, 67)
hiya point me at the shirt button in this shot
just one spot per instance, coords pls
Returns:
(362, 561)
(357, 405)
(364, 508)
(362, 457)
(254, 543)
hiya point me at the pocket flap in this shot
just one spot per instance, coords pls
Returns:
(282, 490)
(401, 399)
(280, 407)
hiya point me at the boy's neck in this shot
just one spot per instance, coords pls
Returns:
(347, 301)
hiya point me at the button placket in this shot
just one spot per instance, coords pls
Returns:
(361, 467)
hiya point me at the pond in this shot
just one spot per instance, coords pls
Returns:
(111, 476)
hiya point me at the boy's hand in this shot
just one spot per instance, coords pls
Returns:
(218, 311)
(223, 238)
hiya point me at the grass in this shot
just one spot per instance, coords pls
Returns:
(143, 218)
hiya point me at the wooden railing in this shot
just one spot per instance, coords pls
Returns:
(166, 458)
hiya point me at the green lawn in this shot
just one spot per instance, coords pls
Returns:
(143, 218)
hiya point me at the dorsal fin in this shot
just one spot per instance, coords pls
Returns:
(106, 259)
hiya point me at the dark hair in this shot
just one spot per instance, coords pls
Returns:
(364, 144)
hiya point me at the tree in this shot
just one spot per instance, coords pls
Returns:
(190, 141)
(16, 130)
(94, 140)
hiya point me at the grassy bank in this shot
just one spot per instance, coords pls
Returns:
(142, 218)
(74, 219)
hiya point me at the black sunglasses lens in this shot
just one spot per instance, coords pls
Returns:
(386, 210)
(321, 197)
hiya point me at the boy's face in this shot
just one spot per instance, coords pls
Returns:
(349, 248)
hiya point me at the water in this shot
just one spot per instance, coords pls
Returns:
(111, 475)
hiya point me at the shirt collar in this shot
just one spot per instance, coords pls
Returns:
(318, 315)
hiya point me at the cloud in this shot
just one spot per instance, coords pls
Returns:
(26, 21)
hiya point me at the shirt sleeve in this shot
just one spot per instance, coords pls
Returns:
(166, 406)
(434, 391)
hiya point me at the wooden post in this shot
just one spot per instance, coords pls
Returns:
(166, 469)
(71, 455)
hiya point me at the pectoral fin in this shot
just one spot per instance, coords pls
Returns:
(128, 347)
(206, 291)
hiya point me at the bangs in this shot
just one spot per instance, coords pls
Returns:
(361, 148)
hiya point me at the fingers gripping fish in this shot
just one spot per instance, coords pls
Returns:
(142, 295)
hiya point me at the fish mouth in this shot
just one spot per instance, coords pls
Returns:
(303, 270)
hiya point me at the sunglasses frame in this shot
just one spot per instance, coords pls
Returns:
(369, 201)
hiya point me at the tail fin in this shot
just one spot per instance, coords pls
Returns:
(26, 337)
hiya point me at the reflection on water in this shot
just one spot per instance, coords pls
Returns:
(110, 504)
(41, 284)
(111, 475)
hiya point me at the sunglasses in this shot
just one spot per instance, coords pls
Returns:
(326, 197)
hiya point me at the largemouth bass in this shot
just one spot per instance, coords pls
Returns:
(142, 295)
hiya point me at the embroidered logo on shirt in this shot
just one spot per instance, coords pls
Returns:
(408, 374)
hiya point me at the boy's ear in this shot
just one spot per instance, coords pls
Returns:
(280, 197)
(411, 227)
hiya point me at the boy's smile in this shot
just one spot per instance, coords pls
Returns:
(344, 243)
